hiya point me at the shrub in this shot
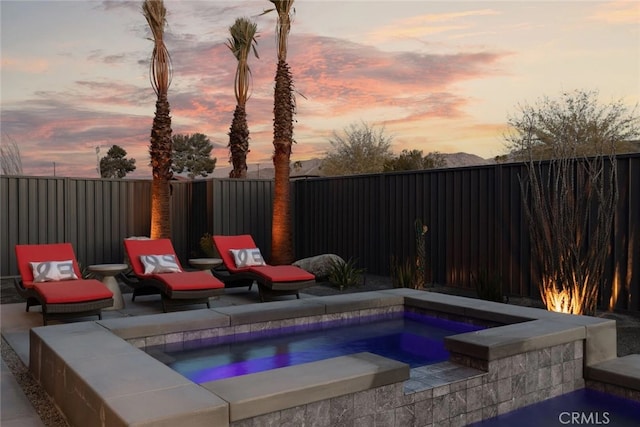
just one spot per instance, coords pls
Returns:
(404, 274)
(206, 246)
(344, 274)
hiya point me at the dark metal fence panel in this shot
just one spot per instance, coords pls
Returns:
(625, 256)
(181, 220)
(32, 212)
(201, 222)
(244, 207)
(343, 216)
(475, 218)
(101, 213)
(476, 222)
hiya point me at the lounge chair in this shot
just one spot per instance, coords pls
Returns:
(50, 277)
(157, 270)
(243, 264)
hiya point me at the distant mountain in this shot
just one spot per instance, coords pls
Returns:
(312, 167)
(456, 160)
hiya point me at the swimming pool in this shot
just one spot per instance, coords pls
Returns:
(408, 337)
(584, 407)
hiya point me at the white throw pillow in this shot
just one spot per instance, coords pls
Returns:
(53, 271)
(160, 264)
(247, 257)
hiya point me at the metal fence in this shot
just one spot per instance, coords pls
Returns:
(474, 214)
(476, 223)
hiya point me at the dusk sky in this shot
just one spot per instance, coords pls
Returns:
(438, 75)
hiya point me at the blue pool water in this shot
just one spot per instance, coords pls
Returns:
(583, 407)
(409, 337)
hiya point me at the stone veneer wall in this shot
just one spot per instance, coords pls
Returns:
(509, 383)
(522, 379)
(178, 338)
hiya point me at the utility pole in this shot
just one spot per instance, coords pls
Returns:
(98, 160)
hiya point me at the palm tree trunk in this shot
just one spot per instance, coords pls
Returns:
(160, 209)
(160, 151)
(239, 143)
(284, 107)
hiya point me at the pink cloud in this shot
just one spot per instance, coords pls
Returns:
(335, 78)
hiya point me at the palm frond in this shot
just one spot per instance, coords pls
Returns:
(243, 39)
(285, 10)
(160, 70)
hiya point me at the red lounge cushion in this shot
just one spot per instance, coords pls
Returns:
(189, 281)
(282, 273)
(70, 291)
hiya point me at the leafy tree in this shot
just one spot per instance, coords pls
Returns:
(192, 153)
(160, 149)
(574, 125)
(414, 160)
(241, 42)
(115, 164)
(284, 107)
(359, 149)
(570, 197)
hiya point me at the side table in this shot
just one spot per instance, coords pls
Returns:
(205, 264)
(107, 272)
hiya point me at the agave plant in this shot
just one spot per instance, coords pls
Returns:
(404, 273)
(345, 274)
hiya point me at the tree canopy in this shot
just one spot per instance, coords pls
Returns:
(192, 154)
(574, 125)
(415, 160)
(115, 164)
(360, 148)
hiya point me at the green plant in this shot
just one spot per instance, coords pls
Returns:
(206, 246)
(404, 274)
(344, 274)
(488, 286)
(421, 253)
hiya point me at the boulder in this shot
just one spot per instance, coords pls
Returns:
(319, 265)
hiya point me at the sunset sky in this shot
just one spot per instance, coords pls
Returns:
(438, 75)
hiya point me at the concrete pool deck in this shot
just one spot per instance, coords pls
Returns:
(101, 362)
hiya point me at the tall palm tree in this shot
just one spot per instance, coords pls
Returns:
(283, 110)
(160, 72)
(241, 42)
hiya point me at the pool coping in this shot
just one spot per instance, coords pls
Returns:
(97, 373)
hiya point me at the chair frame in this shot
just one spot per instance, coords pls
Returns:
(267, 288)
(52, 311)
(154, 285)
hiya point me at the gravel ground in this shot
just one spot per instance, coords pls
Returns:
(628, 335)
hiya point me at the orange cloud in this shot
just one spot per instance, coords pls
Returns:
(618, 12)
(24, 65)
(424, 25)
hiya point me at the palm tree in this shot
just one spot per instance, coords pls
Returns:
(161, 147)
(283, 110)
(241, 42)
